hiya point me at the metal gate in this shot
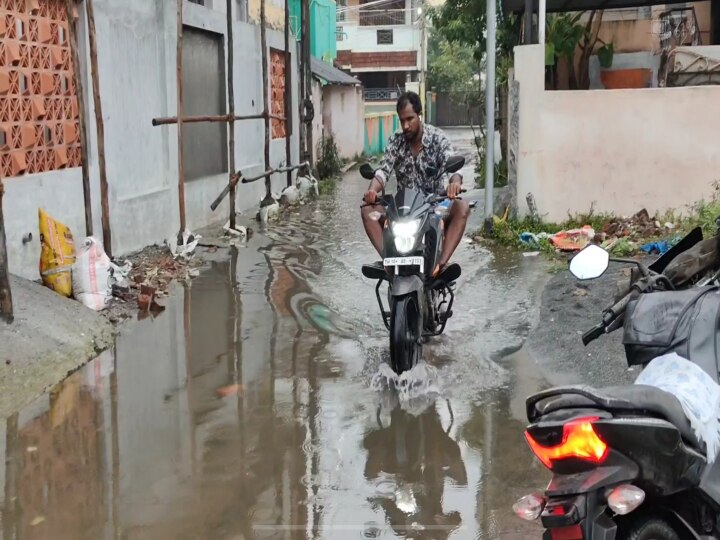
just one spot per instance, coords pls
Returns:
(452, 109)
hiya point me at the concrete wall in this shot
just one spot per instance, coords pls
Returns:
(343, 113)
(619, 150)
(136, 55)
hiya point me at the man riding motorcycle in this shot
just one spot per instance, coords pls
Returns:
(413, 154)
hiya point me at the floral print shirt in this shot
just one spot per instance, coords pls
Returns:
(417, 172)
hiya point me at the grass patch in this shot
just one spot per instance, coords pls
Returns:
(702, 214)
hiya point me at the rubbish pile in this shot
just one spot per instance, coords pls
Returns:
(89, 276)
(638, 232)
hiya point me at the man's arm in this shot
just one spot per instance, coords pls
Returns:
(385, 170)
(446, 151)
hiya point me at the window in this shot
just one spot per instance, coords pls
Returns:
(277, 94)
(384, 37)
(204, 145)
(341, 5)
(198, 2)
(339, 33)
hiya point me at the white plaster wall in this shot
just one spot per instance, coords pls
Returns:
(619, 150)
(364, 38)
(136, 56)
(344, 117)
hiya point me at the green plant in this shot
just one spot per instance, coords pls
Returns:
(500, 177)
(329, 163)
(605, 55)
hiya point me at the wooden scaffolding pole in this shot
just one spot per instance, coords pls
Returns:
(6, 307)
(80, 94)
(288, 91)
(265, 82)
(231, 111)
(100, 125)
(180, 119)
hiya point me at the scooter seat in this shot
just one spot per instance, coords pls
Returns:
(636, 399)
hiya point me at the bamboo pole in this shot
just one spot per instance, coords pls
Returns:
(180, 119)
(265, 82)
(6, 306)
(288, 91)
(231, 110)
(100, 125)
(80, 95)
(171, 120)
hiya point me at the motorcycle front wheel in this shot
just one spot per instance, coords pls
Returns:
(405, 334)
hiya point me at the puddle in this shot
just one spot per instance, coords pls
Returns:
(260, 405)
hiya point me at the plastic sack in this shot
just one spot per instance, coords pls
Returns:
(91, 275)
(57, 254)
(696, 391)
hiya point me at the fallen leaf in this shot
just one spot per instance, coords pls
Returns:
(231, 390)
(31, 449)
(580, 292)
(37, 521)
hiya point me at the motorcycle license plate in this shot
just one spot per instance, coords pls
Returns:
(404, 261)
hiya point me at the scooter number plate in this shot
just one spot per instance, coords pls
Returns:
(404, 261)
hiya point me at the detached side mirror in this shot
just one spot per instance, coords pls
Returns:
(590, 263)
(366, 171)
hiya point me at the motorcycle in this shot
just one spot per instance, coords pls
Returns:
(626, 462)
(419, 305)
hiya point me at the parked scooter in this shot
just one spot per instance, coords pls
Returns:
(419, 305)
(627, 464)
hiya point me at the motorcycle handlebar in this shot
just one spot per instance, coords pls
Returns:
(609, 316)
(592, 334)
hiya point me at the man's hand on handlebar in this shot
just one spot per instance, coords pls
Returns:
(371, 197)
(454, 189)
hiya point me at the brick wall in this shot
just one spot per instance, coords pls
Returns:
(39, 128)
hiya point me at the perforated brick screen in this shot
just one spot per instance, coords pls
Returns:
(39, 128)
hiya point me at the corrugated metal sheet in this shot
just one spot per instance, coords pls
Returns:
(332, 75)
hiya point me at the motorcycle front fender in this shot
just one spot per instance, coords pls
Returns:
(404, 285)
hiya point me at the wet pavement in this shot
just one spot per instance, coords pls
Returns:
(258, 406)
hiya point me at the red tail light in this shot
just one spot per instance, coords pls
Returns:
(567, 533)
(579, 441)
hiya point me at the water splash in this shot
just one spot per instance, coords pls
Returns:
(414, 390)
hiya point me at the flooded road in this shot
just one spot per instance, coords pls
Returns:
(258, 406)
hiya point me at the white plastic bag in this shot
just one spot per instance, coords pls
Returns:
(91, 275)
(697, 392)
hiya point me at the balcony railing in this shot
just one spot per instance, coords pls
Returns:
(382, 17)
(382, 94)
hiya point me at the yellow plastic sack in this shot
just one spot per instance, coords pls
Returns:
(57, 255)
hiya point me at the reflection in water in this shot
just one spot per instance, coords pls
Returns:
(259, 405)
(415, 454)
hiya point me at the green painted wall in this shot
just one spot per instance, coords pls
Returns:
(323, 21)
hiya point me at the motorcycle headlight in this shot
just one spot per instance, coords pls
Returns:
(404, 233)
(406, 228)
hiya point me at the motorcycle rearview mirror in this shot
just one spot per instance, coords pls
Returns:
(366, 171)
(590, 263)
(454, 164)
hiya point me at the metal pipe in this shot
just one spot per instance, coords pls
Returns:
(237, 177)
(171, 120)
(288, 91)
(100, 125)
(80, 96)
(490, 115)
(180, 119)
(542, 14)
(231, 110)
(307, 76)
(6, 306)
(265, 82)
(528, 21)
